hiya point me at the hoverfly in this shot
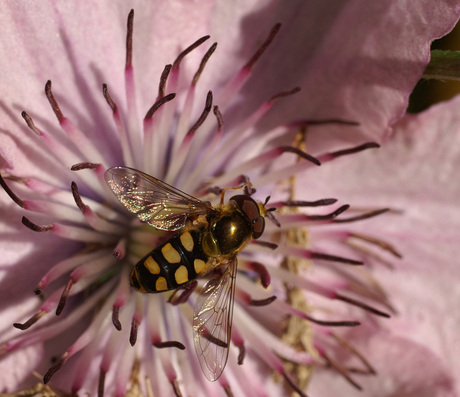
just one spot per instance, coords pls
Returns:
(207, 243)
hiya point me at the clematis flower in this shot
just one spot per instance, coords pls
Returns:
(217, 117)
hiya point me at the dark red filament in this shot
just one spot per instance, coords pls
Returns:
(53, 102)
(163, 79)
(108, 98)
(219, 117)
(101, 384)
(330, 216)
(64, 296)
(356, 149)
(361, 305)
(115, 317)
(300, 153)
(31, 321)
(133, 332)
(10, 193)
(241, 354)
(84, 166)
(169, 343)
(262, 272)
(76, 196)
(204, 114)
(129, 39)
(262, 302)
(36, 228)
(158, 104)
(283, 94)
(203, 63)
(263, 47)
(188, 50)
(334, 258)
(55, 368)
(30, 123)
(367, 215)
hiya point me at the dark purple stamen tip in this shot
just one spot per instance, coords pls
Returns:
(30, 123)
(334, 258)
(300, 153)
(133, 332)
(64, 296)
(305, 123)
(361, 305)
(84, 166)
(129, 39)
(283, 94)
(316, 203)
(363, 216)
(330, 216)
(188, 50)
(356, 149)
(36, 228)
(76, 196)
(263, 47)
(263, 273)
(108, 98)
(159, 104)
(333, 323)
(115, 317)
(169, 343)
(55, 368)
(53, 102)
(219, 117)
(380, 243)
(101, 383)
(262, 302)
(10, 193)
(293, 385)
(203, 63)
(266, 244)
(31, 321)
(204, 114)
(163, 79)
(176, 388)
(241, 354)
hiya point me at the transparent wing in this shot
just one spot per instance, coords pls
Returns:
(154, 201)
(212, 322)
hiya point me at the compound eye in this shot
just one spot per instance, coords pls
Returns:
(258, 227)
(248, 206)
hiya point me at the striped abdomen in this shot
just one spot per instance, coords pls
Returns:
(176, 262)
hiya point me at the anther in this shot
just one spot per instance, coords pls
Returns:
(168, 344)
(31, 321)
(108, 98)
(64, 296)
(101, 383)
(228, 391)
(262, 302)
(204, 114)
(129, 39)
(159, 104)
(363, 216)
(36, 228)
(163, 79)
(361, 305)
(333, 323)
(10, 193)
(330, 216)
(342, 371)
(176, 388)
(133, 332)
(266, 244)
(53, 102)
(241, 354)
(334, 258)
(263, 47)
(30, 123)
(354, 351)
(219, 117)
(76, 196)
(262, 271)
(284, 94)
(55, 368)
(356, 149)
(300, 153)
(305, 123)
(203, 63)
(380, 243)
(298, 203)
(84, 166)
(188, 50)
(293, 385)
(115, 317)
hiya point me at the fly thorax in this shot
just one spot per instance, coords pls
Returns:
(230, 232)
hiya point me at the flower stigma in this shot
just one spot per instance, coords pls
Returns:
(285, 320)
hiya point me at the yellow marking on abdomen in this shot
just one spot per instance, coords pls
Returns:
(187, 241)
(161, 284)
(199, 265)
(170, 254)
(181, 275)
(152, 265)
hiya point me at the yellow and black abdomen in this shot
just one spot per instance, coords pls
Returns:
(171, 265)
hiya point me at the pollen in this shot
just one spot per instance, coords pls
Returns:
(170, 253)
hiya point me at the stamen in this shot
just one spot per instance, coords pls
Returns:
(334, 258)
(133, 332)
(361, 305)
(266, 244)
(330, 216)
(380, 243)
(188, 50)
(293, 385)
(356, 149)
(262, 271)
(64, 296)
(52, 100)
(295, 90)
(129, 39)
(354, 351)
(168, 344)
(85, 166)
(101, 383)
(115, 317)
(363, 216)
(163, 79)
(176, 388)
(31, 321)
(58, 365)
(160, 102)
(30, 123)
(250, 64)
(76, 195)
(228, 391)
(203, 116)
(36, 228)
(262, 302)
(10, 193)
(305, 123)
(219, 117)
(203, 63)
(108, 98)
(241, 354)
(298, 203)
(342, 371)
